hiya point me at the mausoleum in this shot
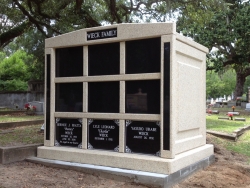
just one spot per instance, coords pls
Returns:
(119, 96)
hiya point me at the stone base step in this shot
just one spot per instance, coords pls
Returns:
(140, 177)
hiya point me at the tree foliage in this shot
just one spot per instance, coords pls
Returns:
(15, 71)
(13, 85)
(217, 86)
(217, 24)
(51, 17)
(28, 22)
(227, 35)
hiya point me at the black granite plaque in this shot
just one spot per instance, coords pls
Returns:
(103, 134)
(69, 132)
(143, 56)
(69, 62)
(166, 94)
(102, 34)
(143, 137)
(104, 59)
(47, 121)
(69, 97)
(143, 97)
(103, 97)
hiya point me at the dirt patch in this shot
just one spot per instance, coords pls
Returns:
(14, 114)
(26, 175)
(229, 170)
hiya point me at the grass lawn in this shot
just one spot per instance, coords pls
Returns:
(20, 117)
(226, 126)
(5, 109)
(242, 145)
(21, 136)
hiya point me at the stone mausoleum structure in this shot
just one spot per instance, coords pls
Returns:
(116, 96)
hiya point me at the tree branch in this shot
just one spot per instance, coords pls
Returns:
(33, 20)
(12, 33)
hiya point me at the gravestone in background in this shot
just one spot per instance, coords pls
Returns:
(39, 106)
(247, 107)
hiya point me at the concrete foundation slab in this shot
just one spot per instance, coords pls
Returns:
(140, 177)
(17, 153)
(148, 163)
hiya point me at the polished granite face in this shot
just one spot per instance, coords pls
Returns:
(104, 59)
(143, 97)
(142, 137)
(103, 97)
(68, 132)
(166, 98)
(69, 62)
(47, 92)
(69, 97)
(103, 134)
(143, 56)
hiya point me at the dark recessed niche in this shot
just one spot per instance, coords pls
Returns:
(103, 134)
(103, 97)
(69, 97)
(69, 62)
(143, 97)
(143, 137)
(104, 59)
(143, 56)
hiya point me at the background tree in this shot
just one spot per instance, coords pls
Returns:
(29, 22)
(51, 17)
(15, 71)
(227, 35)
(218, 86)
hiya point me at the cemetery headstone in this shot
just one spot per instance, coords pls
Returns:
(247, 107)
(234, 113)
(240, 119)
(39, 106)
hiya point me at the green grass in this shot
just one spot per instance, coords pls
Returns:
(242, 145)
(6, 109)
(21, 136)
(10, 118)
(226, 126)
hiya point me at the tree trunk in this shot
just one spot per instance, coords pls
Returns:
(240, 81)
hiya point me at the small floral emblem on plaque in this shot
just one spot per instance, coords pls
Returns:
(128, 150)
(116, 149)
(57, 143)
